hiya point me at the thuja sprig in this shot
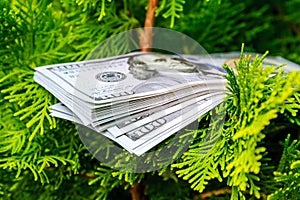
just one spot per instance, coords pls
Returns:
(34, 103)
(171, 9)
(288, 172)
(257, 96)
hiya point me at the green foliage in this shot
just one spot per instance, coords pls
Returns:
(205, 151)
(172, 9)
(176, 189)
(91, 4)
(42, 157)
(224, 26)
(24, 94)
(288, 172)
(255, 99)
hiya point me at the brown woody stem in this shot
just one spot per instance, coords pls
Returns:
(147, 34)
(137, 191)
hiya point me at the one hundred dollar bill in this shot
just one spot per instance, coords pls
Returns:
(137, 75)
(148, 135)
(137, 127)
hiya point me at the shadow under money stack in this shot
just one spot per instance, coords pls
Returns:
(137, 100)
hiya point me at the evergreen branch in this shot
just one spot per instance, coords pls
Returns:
(257, 115)
(79, 37)
(108, 179)
(106, 182)
(36, 158)
(128, 177)
(20, 164)
(47, 161)
(90, 4)
(201, 162)
(102, 13)
(1, 190)
(251, 106)
(174, 7)
(12, 141)
(35, 102)
(288, 173)
(13, 135)
(161, 7)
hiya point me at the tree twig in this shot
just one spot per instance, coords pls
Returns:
(147, 34)
(213, 193)
(137, 191)
(222, 191)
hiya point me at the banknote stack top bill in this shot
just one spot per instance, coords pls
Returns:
(139, 99)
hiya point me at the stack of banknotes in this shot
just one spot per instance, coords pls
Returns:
(139, 99)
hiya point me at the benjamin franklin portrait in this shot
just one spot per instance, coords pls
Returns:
(149, 65)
